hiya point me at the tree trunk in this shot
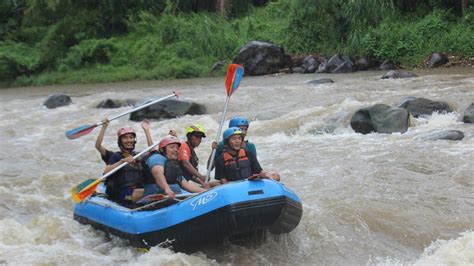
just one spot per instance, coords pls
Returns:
(222, 6)
(464, 6)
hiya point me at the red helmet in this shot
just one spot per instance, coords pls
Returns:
(167, 141)
(126, 130)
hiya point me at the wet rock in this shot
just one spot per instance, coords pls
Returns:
(333, 62)
(422, 106)
(345, 67)
(397, 74)
(218, 65)
(320, 81)
(336, 64)
(115, 103)
(57, 100)
(261, 58)
(322, 67)
(364, 64)
(299, 70)
(468, 116)
(387, 65)
(445, 135)
(168, 109)
(310, 64)
(361, 122)
(436, 60)
(380, 118)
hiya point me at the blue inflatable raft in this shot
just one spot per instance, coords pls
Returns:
(225, 212)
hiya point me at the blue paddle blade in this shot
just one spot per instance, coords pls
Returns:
(84, 184)
(80, 131)
(239, 72)
(233, 77)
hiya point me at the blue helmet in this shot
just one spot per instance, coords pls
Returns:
(238, 121)
(231, 131)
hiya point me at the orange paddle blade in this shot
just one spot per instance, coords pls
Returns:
(233, 77)
(82, 191)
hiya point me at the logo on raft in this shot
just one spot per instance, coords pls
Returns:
(204, 199)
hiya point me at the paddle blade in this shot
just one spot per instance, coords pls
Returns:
(233, 77)
(151, 198)
(80, 131)
(84, 190)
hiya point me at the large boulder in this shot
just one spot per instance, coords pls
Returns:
(422, 106)
(398, 74)
(380, 118)
(57, 100)
(167, 109)
(116, 103)
(364, 63)
(436, 60)
(310, 64)
(346, 67)
(468, 116)
(261, 58)
(336, 64)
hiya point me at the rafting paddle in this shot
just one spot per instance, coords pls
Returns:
(232, 82)
(159, 197)
(86, 129)
(82, 191)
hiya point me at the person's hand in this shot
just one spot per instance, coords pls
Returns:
(146, 124)
(264, 175)
(129, 159)
(214, 145)
(105, 122)
(206, 186)
(170, 193)
(173, 133)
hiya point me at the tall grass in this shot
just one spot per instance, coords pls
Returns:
(180, 45)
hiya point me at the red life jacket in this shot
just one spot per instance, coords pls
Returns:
(237, 168)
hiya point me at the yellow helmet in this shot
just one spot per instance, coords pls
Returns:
(196, 128)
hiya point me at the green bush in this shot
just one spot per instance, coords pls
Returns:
(88, 53)
(17, 59)
(412, 41)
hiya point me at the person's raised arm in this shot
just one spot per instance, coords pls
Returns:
(146, 129)
(100, 138)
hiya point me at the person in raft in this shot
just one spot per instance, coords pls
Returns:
(188, 159)
(243, 124)
(105, 154)
(236, 163)
(126, 185)
(163, 173)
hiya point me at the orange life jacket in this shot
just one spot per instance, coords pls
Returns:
(237, 167)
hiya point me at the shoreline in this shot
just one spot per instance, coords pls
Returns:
(454, 63)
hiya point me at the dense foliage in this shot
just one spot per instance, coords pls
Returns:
(65, 41)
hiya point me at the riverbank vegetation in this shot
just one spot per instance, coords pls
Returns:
(64, 41)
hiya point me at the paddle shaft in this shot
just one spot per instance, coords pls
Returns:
(125, 163)
(86, 129)
(213, 153)
(113, 171)
(141, 107)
